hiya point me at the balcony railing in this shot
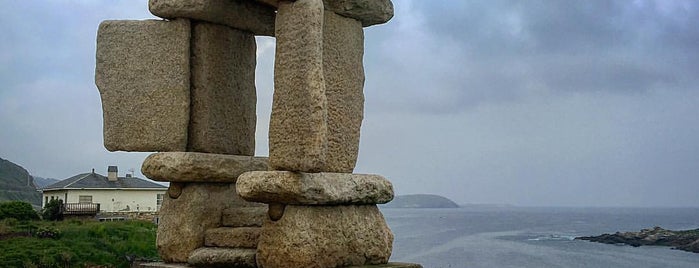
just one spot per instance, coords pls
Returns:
(80, 208)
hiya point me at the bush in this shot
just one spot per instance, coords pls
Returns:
(19, 210)
(52, 211)
(48, 232)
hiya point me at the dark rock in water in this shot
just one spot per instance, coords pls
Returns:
(687, 240)
(420, 201)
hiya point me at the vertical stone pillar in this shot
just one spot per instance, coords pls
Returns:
(223, 95)
(298, 131)
(343, 69)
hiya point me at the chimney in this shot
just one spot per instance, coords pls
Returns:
(112, 173)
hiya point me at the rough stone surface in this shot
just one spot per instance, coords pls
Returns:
(249, 16)
(343, 51)
(244, 216)
(223, 257)
(162, 265)
(298, 124)
(183, 265)
(142, 73)
(199, 167)
(314, 188)
(183, 221)
(369, 12)
(390, 265)
(232, 237)
(223, 95)
(325, 236)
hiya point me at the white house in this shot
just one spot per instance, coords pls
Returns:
(112, 193)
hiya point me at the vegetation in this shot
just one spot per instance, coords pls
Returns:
(52, 210)
(19, 210)
(75, 243)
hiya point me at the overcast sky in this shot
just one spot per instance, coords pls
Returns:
(534, 103)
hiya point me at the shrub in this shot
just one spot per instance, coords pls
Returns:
(48, 232)
(19, 210)
(52, 210)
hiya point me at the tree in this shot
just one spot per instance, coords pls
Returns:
(52, 210)
(19, 210)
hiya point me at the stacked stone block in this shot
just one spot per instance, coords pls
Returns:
(184, 87)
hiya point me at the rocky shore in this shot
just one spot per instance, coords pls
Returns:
(687, 240)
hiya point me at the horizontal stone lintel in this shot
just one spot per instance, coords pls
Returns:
(298, 188)
(369, 12)
(200, 167)
(246, 15)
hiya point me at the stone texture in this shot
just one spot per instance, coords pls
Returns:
(250, 16)
(244, 216)
(184, 265)
(199, 167)
(162, 265)
(232, 237)
(142, 73)
(343, 51)
(325, 236)
(223, 257)
(223, 95)
(390, 265)
(314, 188)
(369, 12)
(183, 221)
(298, 124)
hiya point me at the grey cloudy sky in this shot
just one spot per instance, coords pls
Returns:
(543, 103)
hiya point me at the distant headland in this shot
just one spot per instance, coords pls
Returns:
(421, 201)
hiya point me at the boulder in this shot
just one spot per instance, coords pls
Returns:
(343, 69)
(223, 95)
(232, 237)
(142, 73)
(287, 187)
(298, 124)
(369, 12)
(325, 236)
(249, 16)
(199, 167)
(244, 216)
(223, 257)
(184, 220)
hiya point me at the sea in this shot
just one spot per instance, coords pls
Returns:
(475, 237)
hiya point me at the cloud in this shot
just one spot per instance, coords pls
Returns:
(586, 103)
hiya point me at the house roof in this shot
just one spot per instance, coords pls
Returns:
(96, 181)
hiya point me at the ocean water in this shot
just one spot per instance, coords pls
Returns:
(533, 237)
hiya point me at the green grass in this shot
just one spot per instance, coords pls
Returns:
(78, 244)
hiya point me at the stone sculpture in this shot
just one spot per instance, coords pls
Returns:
(184, 87)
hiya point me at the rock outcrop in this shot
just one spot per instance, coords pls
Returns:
(687, 240)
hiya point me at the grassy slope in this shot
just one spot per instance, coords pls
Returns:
(80, 244)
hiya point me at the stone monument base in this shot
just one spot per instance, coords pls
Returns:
(184, 265)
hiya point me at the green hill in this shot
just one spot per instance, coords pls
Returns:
(421, 201)
(17, 184)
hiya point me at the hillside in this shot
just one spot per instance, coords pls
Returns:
(17, 184)
(421, 201)
(42, 182)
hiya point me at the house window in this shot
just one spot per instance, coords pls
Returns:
(159, 201)
(85, 199)
(46, 200)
